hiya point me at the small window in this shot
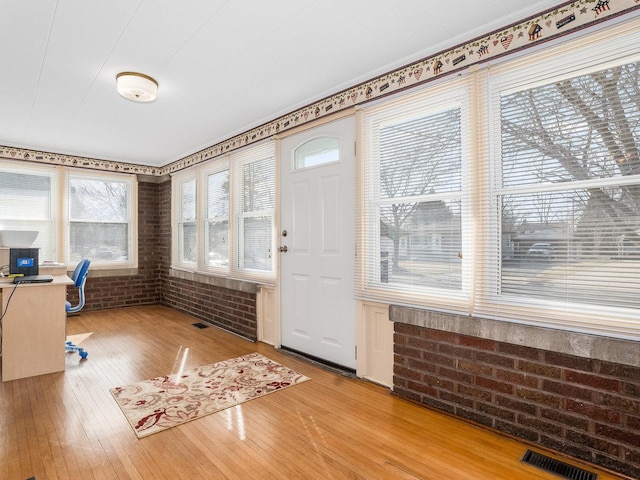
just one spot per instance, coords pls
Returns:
(185, 191)
(318, 151)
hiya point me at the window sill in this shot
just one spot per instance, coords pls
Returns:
(95, 272)
(217, 281)
(608, 349)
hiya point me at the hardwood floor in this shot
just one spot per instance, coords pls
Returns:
(67, 425)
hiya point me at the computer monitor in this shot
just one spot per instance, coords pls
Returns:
(23, 261)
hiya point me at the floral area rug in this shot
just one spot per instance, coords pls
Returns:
(163, 402)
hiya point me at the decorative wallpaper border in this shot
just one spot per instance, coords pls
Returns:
(551, 24)
(14, 153)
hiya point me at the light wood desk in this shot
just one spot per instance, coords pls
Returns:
(34, 327)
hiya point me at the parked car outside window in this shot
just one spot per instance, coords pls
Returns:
(541, 250)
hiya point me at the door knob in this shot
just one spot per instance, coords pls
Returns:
(284, 249)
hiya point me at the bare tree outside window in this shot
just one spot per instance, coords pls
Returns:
(582, 133)
(420, 186)
(99, 223)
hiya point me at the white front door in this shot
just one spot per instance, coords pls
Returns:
(317, 221)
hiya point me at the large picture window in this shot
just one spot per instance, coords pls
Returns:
(569, 191)
(540, 223)
(415, 198)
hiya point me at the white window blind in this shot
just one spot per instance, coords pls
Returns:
(254, 203)
(29, 202)
(563, 223)
(223, 215)
(216, 217)
(101, 218)
(185, 226)
(412, 226)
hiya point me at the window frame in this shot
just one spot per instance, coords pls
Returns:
(59, 209)
(444, 96)
(213, 168)
(131, 217)
(595, 51)
(233, 162)
(177, 194)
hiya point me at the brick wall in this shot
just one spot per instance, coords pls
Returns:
(232, 310)
(127, 290)
(585, 408)
(229, 309)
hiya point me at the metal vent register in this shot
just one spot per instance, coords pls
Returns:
(556, 466)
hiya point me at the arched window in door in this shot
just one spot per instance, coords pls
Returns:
(317, 151)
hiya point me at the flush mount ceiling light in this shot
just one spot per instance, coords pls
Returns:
(137, 87)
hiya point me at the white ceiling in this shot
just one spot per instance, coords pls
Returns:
(223, 66)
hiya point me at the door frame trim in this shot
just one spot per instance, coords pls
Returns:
(347, 112)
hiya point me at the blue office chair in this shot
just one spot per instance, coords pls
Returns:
(79, 278)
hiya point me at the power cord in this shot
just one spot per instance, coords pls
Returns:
(6, 309)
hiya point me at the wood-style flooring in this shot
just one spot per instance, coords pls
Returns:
(67, 425)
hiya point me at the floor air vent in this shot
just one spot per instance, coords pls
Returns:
(556, 466)
(200, 325)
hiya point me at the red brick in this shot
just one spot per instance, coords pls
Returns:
(633, 422)
(540, 425)
(582, 438)
(539, 369)
(421, 343)
(621, 371)
(538, 397)
(618, 434)
(421, 388)
(455, 375)
(519, 351)
(566, 390)
(421, 365)
(404, 372)
(477, 343)
(457, 352)
(441, 336)
(593, 412)
(496, 411)
(438, 382)
(475, 368)
(623, 404)
(494, 385)
(455, 399)
(407, 330)
(517, 378)
(436, 359)
(495, 359)
(594, 381)
(569, 361)
(471, 391)
(518, 431)
(512, 404)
